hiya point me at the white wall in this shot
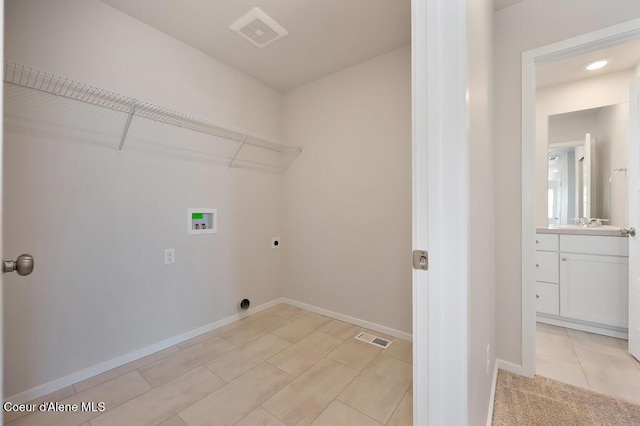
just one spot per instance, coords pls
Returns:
(613, 125)
(594, 92)
(565, 128)
(482, 201)
(98, 222)
(524, 26)
(348, 197)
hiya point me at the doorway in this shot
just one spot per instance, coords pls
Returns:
(548, 198)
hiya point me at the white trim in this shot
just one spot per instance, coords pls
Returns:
(619, 334)
(585, 43)
(1, 198)
(492, 398)
(420, 210)
(94, 370)
(510, 367)
(528, 217)
(351, 320)
(441, 92)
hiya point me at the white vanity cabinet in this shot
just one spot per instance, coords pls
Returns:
(583, 284)
(594, 279)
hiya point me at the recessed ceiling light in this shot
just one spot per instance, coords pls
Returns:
(597, 65)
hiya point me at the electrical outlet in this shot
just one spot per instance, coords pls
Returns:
(488, 358)
(275, 242)
(169, 256)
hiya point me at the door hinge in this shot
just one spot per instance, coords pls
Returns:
(420, 260)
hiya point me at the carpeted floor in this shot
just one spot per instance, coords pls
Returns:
(520, 401)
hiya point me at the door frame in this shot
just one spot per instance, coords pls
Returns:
(440, 211)
(589, 42)
(1, 198)
(634, 187)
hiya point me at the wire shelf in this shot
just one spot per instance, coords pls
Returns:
(43, 81)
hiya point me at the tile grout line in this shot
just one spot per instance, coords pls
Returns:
(126, 372)
(305, 370)
(308, 368)
(265, 409)
(346, 386)
(584, 373)
(368, 416)
(160, 385)
(406, 392)
(579, 363)
(188, 371)
(403, 393)
(225, 384)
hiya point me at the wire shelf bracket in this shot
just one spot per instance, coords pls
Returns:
(235, 155)
(126, 126)
(32, 78)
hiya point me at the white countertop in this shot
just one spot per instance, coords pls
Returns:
(604, 230)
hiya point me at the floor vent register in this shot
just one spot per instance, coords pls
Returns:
(374, 340)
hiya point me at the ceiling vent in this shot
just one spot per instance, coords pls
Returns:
(258, 28)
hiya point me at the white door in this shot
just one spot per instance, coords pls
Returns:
(440, 212)
(634, 221)
(420, 214)
(1, 171)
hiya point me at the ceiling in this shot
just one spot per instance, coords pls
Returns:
(623, 56)
(324, 35)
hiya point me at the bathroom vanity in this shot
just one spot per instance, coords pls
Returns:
(582, 278)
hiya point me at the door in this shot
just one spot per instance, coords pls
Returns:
(594, 288)
(419, 226)
(634, 220)
(440, 212)
(1, 220)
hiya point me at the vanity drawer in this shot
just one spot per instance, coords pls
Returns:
(594, 244)
(547, 298)
(547, 268)
(547, 242)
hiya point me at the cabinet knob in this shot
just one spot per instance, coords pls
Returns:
(537, 242)
(537, 266)
(564, 259)
(537, 296)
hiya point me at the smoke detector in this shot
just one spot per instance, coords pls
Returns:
(258, 28)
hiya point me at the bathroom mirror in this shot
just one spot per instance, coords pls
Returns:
(587, 158)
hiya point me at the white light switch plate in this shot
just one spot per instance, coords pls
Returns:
(169, 256)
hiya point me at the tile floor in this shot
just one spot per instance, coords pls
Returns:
(282, 366)
(589, 361)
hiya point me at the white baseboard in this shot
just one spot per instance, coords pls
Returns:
(509, 366)
(616, 332)
(492, 398)
(352, 320)
(100, 368)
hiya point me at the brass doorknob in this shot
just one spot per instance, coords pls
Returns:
(23, 265)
